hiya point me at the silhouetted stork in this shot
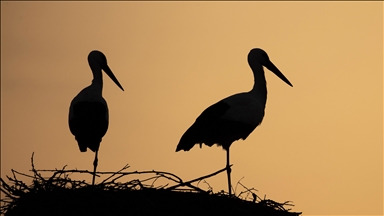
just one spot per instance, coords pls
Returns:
(88, 112)
(236, 116)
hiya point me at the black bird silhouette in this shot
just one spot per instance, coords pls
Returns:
(88, 112)
(234, 117)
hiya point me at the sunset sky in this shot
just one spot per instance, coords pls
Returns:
(320, 144)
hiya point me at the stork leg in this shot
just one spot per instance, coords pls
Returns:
(229, 174)
(94, 167)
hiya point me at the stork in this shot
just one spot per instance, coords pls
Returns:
(88, 112)
(234, 117)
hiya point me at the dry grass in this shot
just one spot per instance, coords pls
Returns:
(60, 195)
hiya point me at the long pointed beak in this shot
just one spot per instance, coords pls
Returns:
(276, 71)
(108, 71)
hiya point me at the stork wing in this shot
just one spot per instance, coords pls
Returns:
(214, 111)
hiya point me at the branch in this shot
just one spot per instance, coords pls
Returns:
(118, 172)
(249, 191)
(188, 183)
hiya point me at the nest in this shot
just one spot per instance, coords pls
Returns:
(61, 195)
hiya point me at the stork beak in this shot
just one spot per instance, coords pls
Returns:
(108, 71)
(276, 71)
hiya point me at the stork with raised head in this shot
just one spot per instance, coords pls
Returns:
(234, 117)
(88, 112)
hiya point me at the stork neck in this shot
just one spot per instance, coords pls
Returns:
(97, 81)
(260, 85)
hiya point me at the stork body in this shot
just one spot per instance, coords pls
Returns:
(88, 112)
(234, 117)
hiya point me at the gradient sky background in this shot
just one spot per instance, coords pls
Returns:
(320, 144)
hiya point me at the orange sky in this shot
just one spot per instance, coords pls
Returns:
(320, 144)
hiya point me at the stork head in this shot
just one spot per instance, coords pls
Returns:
(97, 60)
(259, 56)
(97, 56)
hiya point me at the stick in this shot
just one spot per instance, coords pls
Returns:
(188, 183)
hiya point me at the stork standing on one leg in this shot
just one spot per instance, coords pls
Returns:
(88, 112)
(236, 116)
